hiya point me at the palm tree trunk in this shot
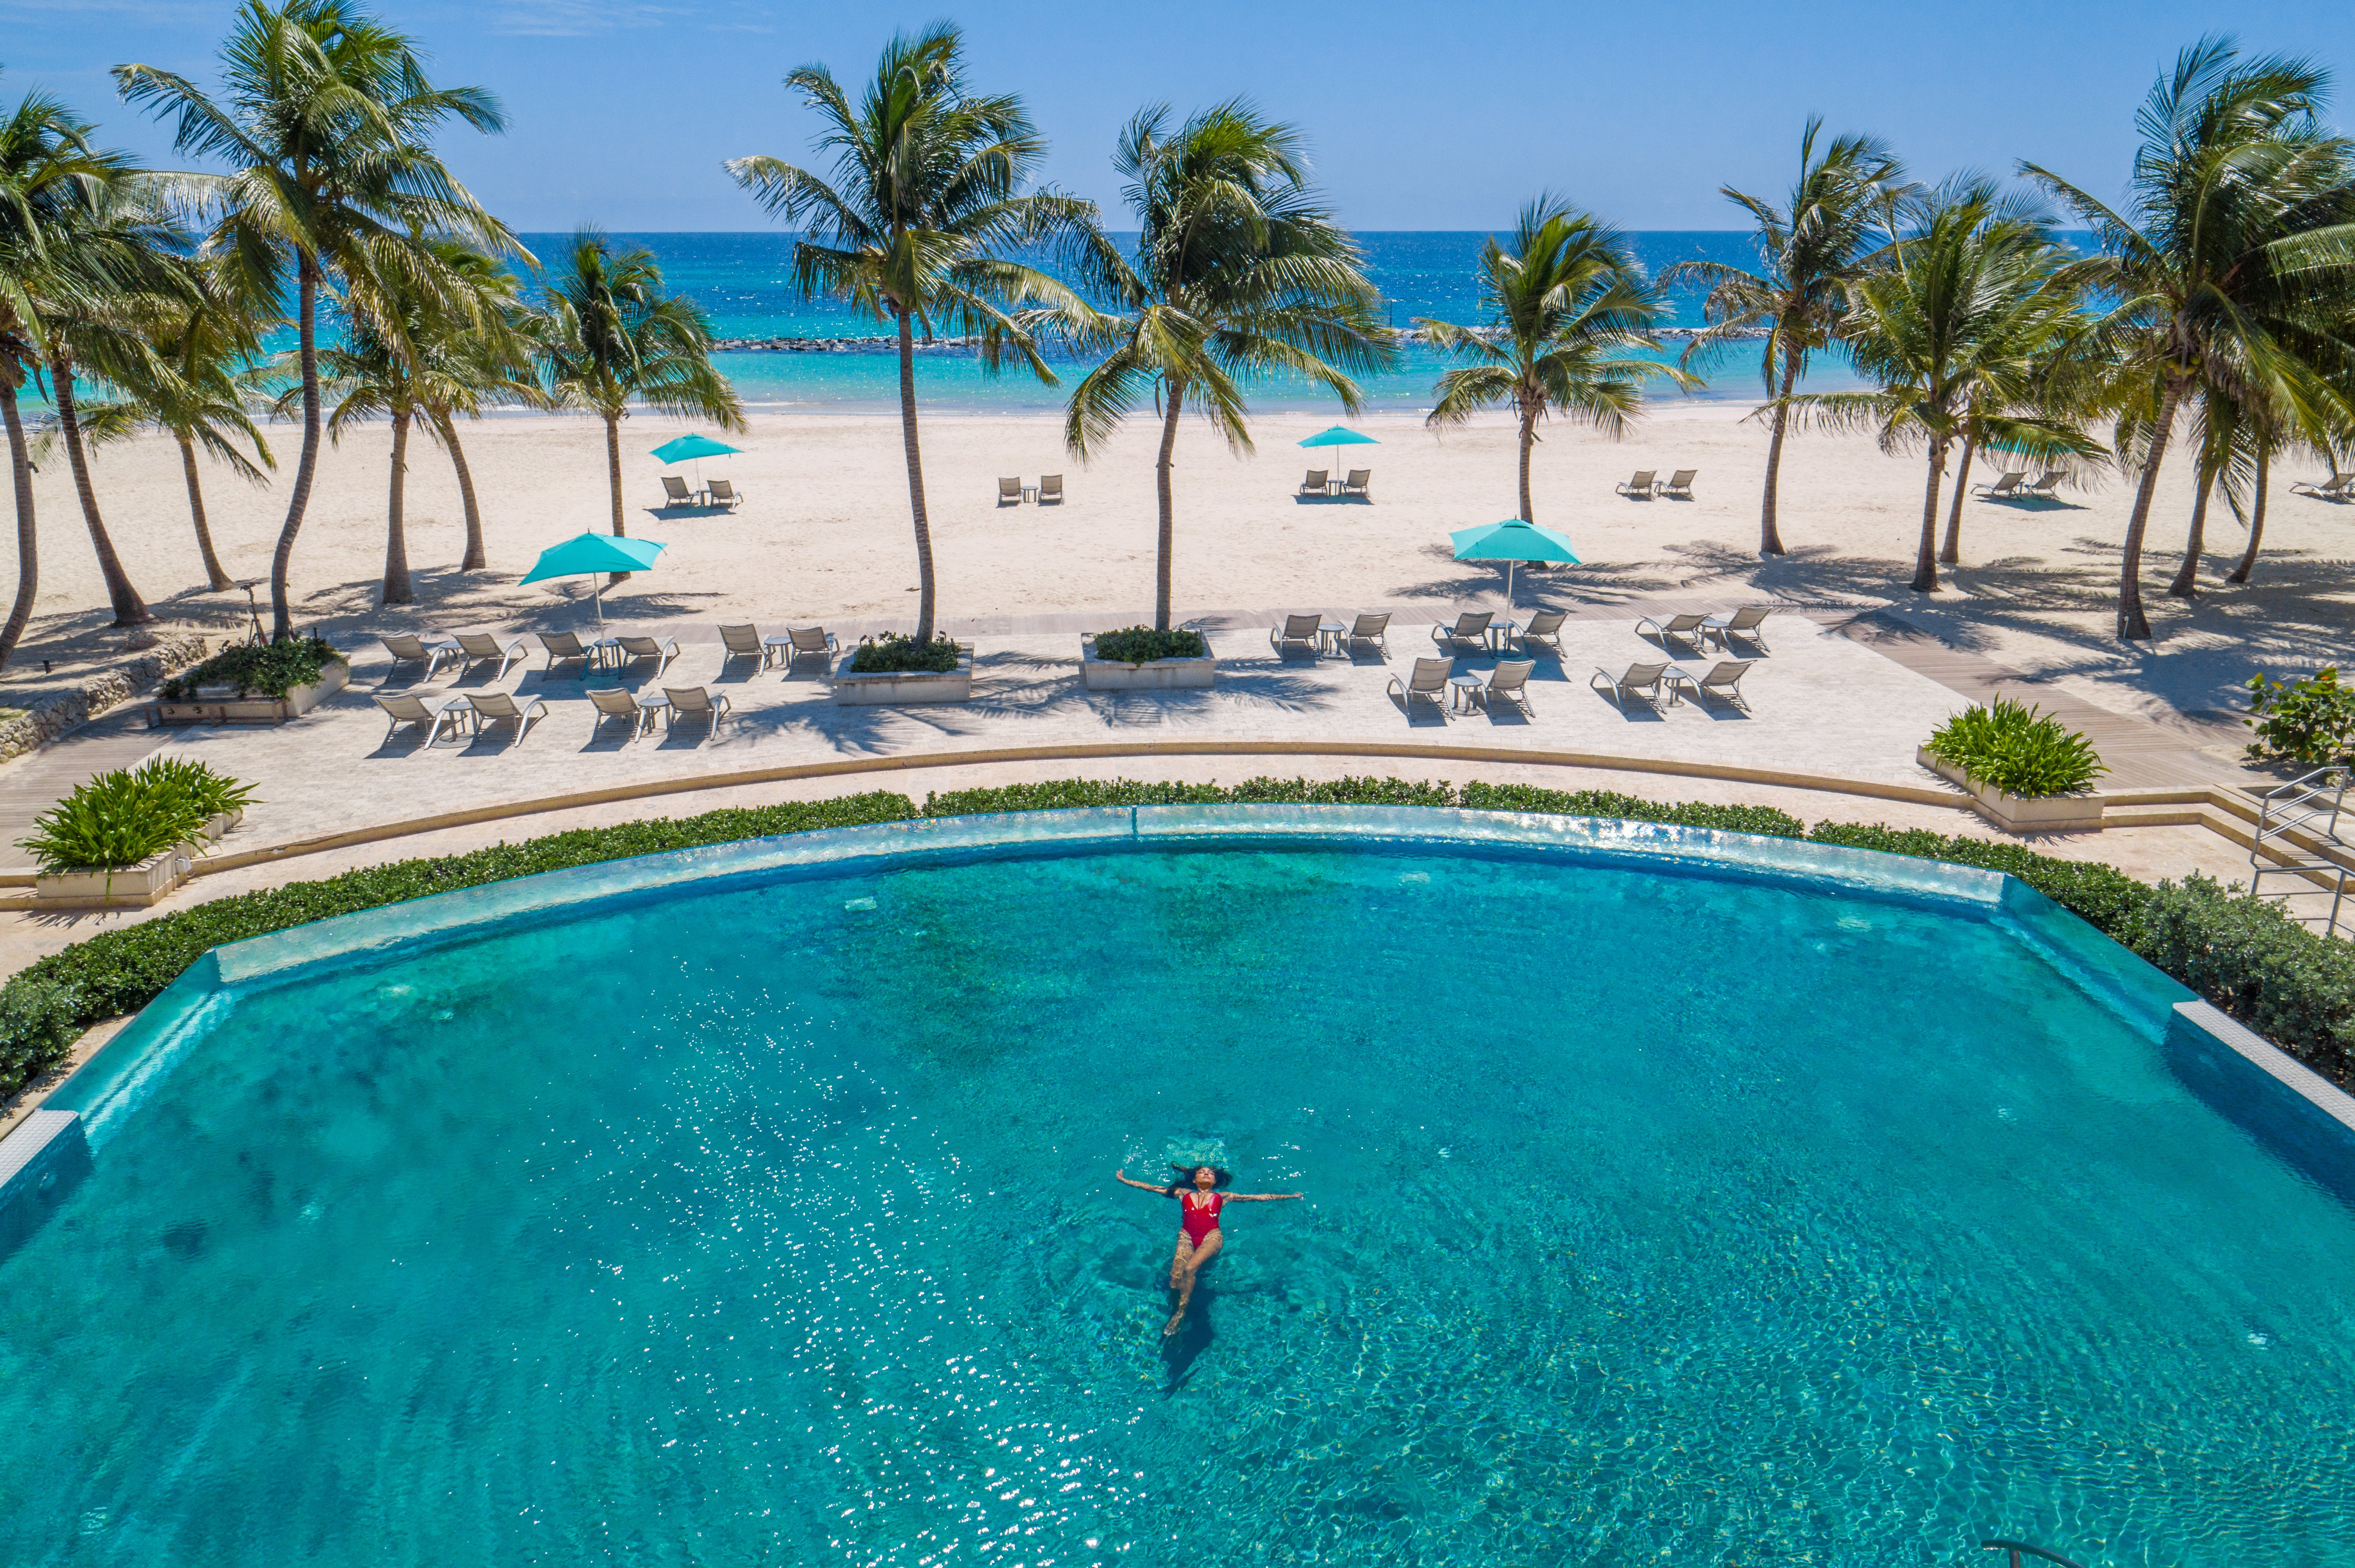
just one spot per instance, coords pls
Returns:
(2256, 523)
(477, 557)
(2187, 576)
(923, 632)
(1161, 469)
(397, 589)
(1770, 539)
(306, 327)
(1529, 439)
(2133, 626)
(129, 609)
(20, 469)
(1925, 560)
(613, 485)
(1951, 552)
(216, 577)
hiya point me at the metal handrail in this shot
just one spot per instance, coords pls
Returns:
(2018, 1547)
(2319, 796)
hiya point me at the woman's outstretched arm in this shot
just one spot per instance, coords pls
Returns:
(1140, 1186)
(1263, 1197)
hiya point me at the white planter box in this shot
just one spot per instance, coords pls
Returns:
(903, 686)
(298, 700)
(2018, 814)
(132, 887)
(1156, 675)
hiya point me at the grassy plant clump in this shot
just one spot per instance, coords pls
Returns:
(893, 655)
(2015, 749)
(2310, 722)
(121, 818)
(272, 670)
(1143, 645)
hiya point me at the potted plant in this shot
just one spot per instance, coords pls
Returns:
(894, 670)
(2025, 769)
(129, 836)
(251, 684)
(1142, 659)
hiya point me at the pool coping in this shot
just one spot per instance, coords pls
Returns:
(82, 1109)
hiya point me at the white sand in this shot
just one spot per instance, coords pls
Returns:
(825, 536)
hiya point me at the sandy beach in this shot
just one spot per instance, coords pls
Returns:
(823, 535)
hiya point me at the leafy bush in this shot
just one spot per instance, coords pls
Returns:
(120, 818)
(2310, 722)
(39, 1021)
(2018, 750)
(1143, 645)
(272, 670)
(891, 654)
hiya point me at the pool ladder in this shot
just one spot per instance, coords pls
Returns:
(2300, 836)
(2020, 1548)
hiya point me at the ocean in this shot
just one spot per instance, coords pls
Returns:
(744, 281)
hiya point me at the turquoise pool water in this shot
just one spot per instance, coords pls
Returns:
(1653, 1217)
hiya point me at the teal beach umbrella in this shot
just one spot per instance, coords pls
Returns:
(1340, 435)
(1511, 541)
(585, 555)
(695, 447)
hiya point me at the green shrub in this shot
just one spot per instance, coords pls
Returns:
(891, 654)
(1143, 645)
(2310, 722)
(2016, 749)
(272, 670)
(39, 1021)
(120, 818)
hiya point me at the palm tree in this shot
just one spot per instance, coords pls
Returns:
(609, 337)
(486, 352)
(323, 121)
(1238, 271)
(2228, 259)
(1810, 251)
(1971, 307)
(53, 252)
(1570, 306)
(917, 223)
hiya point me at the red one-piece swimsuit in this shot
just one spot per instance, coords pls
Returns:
(1201, 1222)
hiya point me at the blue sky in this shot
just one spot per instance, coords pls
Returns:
(1420, 116)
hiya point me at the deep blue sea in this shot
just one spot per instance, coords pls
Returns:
(745, 283)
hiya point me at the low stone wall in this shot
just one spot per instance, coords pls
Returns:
(51, 716)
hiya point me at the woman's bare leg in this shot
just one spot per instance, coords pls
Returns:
(1182, 1273)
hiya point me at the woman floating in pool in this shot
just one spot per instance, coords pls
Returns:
(1199, 1239)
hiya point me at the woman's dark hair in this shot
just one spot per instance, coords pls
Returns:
(1219, 1177)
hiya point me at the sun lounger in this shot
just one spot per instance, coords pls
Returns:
(407, 649)
(1743, 623)
(1724, 680)
(481, 648)
(1297, 629)
(1684, 628)
(676, 493)
(721, 493)
(661, 650)
(430, 711)
(2338, 487)
(2006, 484)
(1374, 629)
(499, 707)
(1678, 484)
(1511, 679)
(745, 643)
(613, 702)
(1050, 489)
(1010, 490)
(1314, 484)
(1430, 680)
(690, 699)
(1644, 680)
(1470, 627)
(1544, 627)
(2046, 488)
(1360, 482)
(809, 640)
(565, 645)
(1641, 484)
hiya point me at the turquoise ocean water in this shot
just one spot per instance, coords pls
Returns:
(1650, 1219)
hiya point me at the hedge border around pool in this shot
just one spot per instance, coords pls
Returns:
(2292, 986)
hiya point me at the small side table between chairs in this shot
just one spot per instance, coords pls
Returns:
(773, 650)
(1328, 637)
(1462, 692)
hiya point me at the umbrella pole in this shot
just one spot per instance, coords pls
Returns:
(597, 592)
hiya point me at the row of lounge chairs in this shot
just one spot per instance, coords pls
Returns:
(1647, 482)
(477, 647)
(1319, 482)
(455, 708)
(1648, 682)
(2008, 487)
(717, 493)
(1432, 679)
(1013, 491)
(1699, 626)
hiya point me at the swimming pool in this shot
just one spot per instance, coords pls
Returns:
(1671, 1199)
